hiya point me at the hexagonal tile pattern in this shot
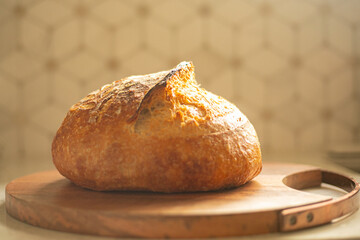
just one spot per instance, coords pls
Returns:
(161, 45)
(207, 65)
(313, 96)
(65, 39)
(66, 90)
(163, 12)
(98, 37)
(331, 62)
(82, 65)
(113, 11)
(265, 63)
(251, 89)
(220, 38)
(189, 38)
(243, 11)
(40, 118)
(309, 35)
(58, 12)
(291, 66)
(222, 85)
(280, 36)
(148, 61)
(294, 11)
(128, 39)
(97, 82)
(249, 37)
(280, 89)
(20, 65)
(33, 38)
(295, 115)
(40, 86)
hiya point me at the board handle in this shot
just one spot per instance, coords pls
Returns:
(324, 212)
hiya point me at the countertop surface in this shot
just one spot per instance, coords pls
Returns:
(347, 228)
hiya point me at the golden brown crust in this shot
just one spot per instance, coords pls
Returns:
(157, 132)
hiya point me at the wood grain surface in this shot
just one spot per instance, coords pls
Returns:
(48, 200)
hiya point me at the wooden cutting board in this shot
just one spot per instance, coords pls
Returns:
(269, 203)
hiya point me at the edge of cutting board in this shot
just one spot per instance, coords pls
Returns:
(48, 200)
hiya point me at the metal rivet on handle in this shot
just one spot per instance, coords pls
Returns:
(293, 220)
(310, 216)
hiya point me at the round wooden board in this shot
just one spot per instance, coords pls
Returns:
(48, 200)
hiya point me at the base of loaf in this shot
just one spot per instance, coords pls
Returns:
(202, 163)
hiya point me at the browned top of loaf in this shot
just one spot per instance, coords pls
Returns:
(154, 103)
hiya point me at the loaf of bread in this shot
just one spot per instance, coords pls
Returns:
(158, 132)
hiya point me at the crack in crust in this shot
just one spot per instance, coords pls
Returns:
(147, 98)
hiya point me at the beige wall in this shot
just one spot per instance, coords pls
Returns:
(293, 67)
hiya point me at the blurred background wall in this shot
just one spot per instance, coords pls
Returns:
(293, 67)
